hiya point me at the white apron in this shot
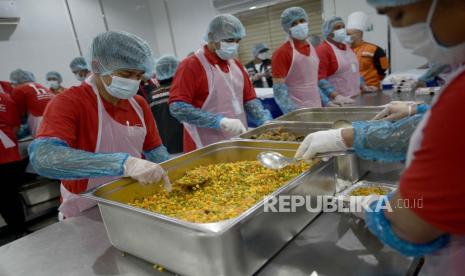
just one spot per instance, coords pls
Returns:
(225, 96)
(112, 137)
(6, 141)
(449, 260)
(346, 80)
(302, 79)
(33, 121)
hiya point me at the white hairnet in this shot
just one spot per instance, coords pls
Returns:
(112, 51)
(258, 48)
(328, 25)
(78, 64)
(225, 26)
(54, 74)
(290, 15)
(19, 76)
(165, 67)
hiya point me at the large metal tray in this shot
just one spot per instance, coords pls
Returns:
(239, 246)
(40, 191)
(331, 115)
(299, 128)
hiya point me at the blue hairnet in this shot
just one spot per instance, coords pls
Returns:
(328, 25)
(19, 76)
(290, 15)
(165, 67)
(112, 51)
(225, 26)
(391, 3)
(78, 64)
(260, 47)
(54, 74)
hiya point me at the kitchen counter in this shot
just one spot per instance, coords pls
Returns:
(333, 244)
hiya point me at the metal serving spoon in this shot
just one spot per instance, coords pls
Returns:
(275, 160)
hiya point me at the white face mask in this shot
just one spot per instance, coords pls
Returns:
(122, 88)
(300, 31)
(420, 38)
(53, 84)
(262, 56)
(228, 50)
(79, 78)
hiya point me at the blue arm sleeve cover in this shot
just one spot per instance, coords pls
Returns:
(324, 98)
(53, 158)
(422, 108)
(383, 140)
(157, 155)
(362, 81)
(255, 109)
(187, 113)
(325, 87)
(282, 98)
(433, 72)
(381, 228)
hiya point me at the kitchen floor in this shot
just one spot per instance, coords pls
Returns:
(33, 225)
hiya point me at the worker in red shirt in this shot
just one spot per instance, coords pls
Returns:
(80, 68)
(54, 80)
(211, 91)
(99, 131)
(31, 98)
(5, 87)
(295, 65)
(11, 167)
(339, 68)
(425, 216)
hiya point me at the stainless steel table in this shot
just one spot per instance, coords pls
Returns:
(376, 99)
(333, 244)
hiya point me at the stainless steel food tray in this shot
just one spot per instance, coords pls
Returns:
(239, 246)
(321, 115)
(299, 128)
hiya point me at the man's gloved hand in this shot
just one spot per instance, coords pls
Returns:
(146, 172)
(320, 142)
(339, 99)
(233, 126)
(396, 110)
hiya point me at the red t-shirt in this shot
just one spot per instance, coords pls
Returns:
(190, 85)
(32, 98)
(437, 174)
(72, 116)
(6, 87)
(9, 120)
(282, 57)
(328, 61)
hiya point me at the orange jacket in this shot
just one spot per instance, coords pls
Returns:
(373, 63)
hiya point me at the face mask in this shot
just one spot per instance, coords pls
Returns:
(79, 78)
(300, 31)
(420, 38)
(262, 56)
(122, 88)
(341, 36)
(53, 84)
(228, 50)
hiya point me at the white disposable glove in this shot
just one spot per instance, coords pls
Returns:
(333, 104)
(370, 89)
(396, 110)
(146, 172)
(233, 126)
(320, 142)
(339, 99)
